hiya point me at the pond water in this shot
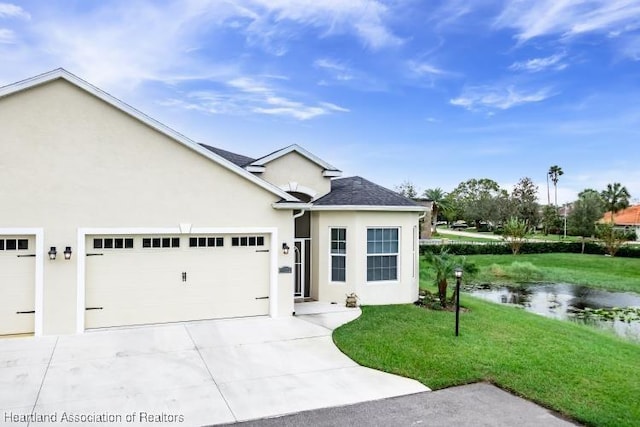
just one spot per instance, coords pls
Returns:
(568, 302)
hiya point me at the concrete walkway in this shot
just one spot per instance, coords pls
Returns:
(194, 373)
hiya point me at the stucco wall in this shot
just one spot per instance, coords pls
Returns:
(403, 290)
(69, 160)
(295, 168)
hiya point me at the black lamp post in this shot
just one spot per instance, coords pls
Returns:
(458, 272)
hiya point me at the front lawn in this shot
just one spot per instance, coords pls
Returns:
(599, 271)
(588, 375)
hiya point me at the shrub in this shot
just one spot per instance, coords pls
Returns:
(524, 272)
(501, 248)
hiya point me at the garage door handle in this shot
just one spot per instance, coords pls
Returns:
(262, 297)
(26, 256)
(93, 308)
(25, 312)
(262, 250)
(95, 254)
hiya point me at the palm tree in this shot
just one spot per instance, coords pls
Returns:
(440, 203)
(616, 198)
(554, 173)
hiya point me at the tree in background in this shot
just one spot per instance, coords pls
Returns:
(407, 189)
(515, 232)
(588, 209)
(441, 204)
(616, 198)
(524, 202)
(555, 172)
(478, 200)
(551, 221)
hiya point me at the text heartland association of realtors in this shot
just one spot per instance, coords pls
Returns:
(105, 417)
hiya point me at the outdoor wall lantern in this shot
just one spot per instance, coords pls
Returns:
(52, 253)
(285, 248)
(67, 253)
(458, 273)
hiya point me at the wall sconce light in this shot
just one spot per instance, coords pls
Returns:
(52, 253)
(67, 253)
(285, 249)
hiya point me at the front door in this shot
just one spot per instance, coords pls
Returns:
(302, 249)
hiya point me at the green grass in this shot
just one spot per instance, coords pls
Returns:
(588, 375)
(590, 270)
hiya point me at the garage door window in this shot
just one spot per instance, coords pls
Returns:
(160, 242)
(247, 241)
(14, 244)
(206, 242)
(113, 243)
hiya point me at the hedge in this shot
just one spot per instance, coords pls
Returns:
(501, 248)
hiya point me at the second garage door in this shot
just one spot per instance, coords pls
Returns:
(132, 280)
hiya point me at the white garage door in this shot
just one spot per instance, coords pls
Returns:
(132, 280)
(17, 284)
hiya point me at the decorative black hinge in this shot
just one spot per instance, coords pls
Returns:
(262, 297)
(25, 312)
(95, 254)
(26, 256)
(93, 308)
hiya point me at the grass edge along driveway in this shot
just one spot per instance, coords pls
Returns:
(588, 375)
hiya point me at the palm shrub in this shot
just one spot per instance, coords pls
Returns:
(515, 231)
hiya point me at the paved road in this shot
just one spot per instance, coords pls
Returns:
(471, 405)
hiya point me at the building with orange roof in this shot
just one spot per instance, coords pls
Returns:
(629, 217)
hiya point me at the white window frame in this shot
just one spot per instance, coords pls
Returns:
(396, 254)
(332, 254)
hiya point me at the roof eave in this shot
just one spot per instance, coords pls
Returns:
(368, 208)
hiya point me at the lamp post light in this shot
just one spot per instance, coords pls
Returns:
(458, 272)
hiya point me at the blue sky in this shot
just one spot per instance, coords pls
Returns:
(433, 92)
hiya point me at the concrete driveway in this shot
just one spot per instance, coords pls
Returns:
(193, 373)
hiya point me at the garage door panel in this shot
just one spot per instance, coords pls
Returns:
(17, 284)
(146, 285)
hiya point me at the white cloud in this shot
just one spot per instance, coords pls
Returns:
(538, 18)
(338, 70)
(497, 97)
(363, 18)
(8, 10)
(244, 95)
(424, 68)
(7, 36)
(535, 65)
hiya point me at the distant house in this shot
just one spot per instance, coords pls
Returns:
(628, 218)
(110, 218)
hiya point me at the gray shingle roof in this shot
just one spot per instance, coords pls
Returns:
(235, 158)
(357, 191)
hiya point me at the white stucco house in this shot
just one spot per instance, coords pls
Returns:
(110, 218)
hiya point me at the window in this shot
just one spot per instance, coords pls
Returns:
(160, 242)
(382, 254)
(14, 244)
(113, 243)
(247, 241)
(206, 242)
(338, 254)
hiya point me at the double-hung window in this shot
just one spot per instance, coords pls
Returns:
(382, 254)
(338, 254)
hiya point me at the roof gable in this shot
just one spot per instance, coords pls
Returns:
(329, 170)
(61, 73)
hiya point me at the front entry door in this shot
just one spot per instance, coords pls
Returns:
(302, 249)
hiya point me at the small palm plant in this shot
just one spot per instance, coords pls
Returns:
(443, 264)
